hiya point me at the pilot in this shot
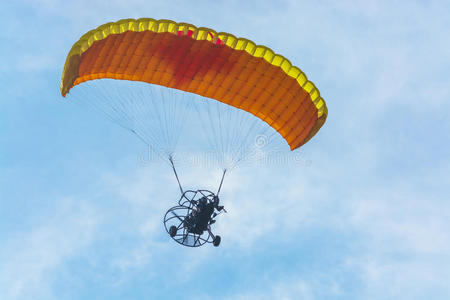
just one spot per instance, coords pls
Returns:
(203, 212)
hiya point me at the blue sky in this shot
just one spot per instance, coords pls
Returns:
(366, 218)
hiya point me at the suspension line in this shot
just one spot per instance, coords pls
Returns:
(176, 175)
(221, 181)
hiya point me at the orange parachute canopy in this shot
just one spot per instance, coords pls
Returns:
(220, 66)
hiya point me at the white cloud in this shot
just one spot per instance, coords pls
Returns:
(286, 288)
(32, 260)
(404, 245)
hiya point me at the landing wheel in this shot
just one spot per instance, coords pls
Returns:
(173, 231)
(216, 241)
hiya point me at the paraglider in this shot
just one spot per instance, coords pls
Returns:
(146, 75)
(189, 223)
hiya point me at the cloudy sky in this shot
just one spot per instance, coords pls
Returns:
(364, 214)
